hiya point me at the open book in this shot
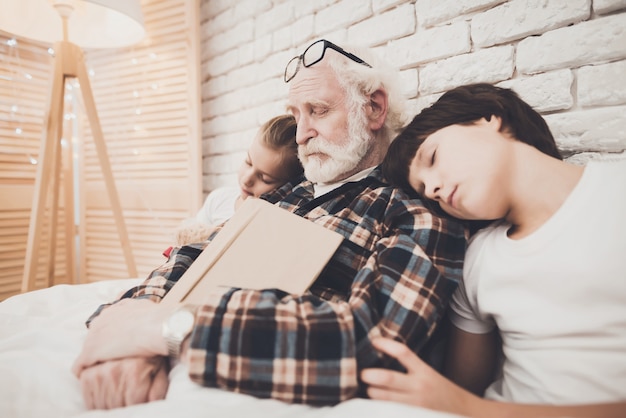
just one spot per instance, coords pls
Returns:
(262, 246)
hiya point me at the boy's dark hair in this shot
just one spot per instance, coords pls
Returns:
(465, 105)
(279, 133)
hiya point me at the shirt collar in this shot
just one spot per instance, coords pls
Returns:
(323, 188)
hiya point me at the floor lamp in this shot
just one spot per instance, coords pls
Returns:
(90, 23)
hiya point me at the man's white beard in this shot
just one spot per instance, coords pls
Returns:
(340, 159)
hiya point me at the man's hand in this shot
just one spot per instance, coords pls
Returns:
(421, 385)
(129, 328)
(125, 382)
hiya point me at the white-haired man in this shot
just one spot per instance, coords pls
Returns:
(392, 276)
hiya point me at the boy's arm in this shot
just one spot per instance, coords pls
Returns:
(471, 359)
(422, 386)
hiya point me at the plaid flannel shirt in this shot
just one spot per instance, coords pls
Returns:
(392, 276)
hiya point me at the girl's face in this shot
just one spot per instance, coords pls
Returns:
(464, 168)
(262, 170)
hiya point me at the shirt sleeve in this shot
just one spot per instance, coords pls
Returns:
(160, 280)
(464, 310)
(304, 349)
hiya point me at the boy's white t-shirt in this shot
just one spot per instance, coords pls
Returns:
(558, 297)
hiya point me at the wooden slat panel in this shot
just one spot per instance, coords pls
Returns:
(150, 151)
(155, 156)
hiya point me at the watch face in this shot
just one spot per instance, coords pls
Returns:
(181, 322)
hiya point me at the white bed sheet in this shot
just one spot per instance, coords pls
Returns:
(41, 333)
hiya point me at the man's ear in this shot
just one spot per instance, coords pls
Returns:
(376, 109)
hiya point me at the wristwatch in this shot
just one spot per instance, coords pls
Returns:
(176, 328)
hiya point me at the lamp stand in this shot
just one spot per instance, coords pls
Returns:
(69, 62)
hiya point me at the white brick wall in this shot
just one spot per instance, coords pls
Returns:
(566, 58)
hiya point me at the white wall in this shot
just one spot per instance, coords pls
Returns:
(567, 58)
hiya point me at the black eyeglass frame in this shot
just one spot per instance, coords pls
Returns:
(327, 44)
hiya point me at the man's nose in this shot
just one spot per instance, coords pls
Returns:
(304, 131)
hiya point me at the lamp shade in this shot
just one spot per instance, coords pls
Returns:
(91, 24)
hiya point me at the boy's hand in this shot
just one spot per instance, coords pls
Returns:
(421, 385)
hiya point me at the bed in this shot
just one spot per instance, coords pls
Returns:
(41, 333)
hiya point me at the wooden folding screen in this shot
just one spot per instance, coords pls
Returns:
(147, 98)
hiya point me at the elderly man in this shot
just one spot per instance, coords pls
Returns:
(392, 276)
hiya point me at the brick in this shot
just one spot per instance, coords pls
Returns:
(602, 85)
(223, 124)
(245, 53)
(574, 46)
(584, 157)
(222, 163)
(273, 66)
(341, 15)
(608, 6)
(213, 181)
(278, 16)
(271, 109)
(242, 76)
(309, 8)
(429, 45)
(545, 92)
(221, 64)
(262, 47)
(431, 12)
(398, 22)
(422, 102)
(245, 9)
(486, 65)
(214, 87)
(302, 30)
(379, 6)
(228, 40)
(338, 36)
(409, 82)
(520, 18)
(265, 92)
(600, 130)
(223, 104)
(228, 143)
(281, 38)
(219, 24)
